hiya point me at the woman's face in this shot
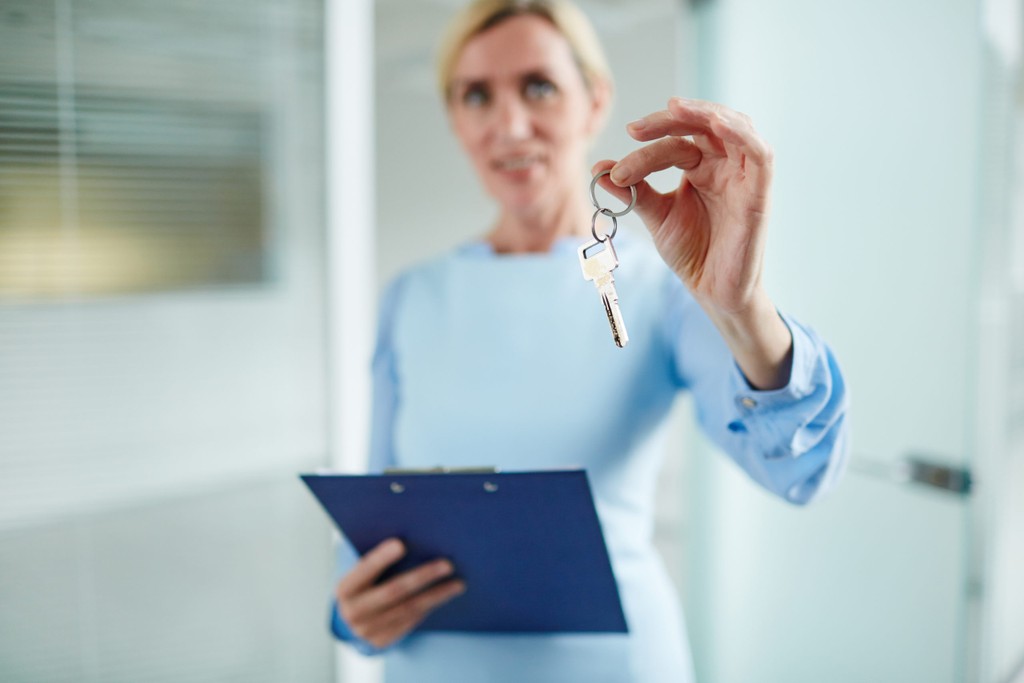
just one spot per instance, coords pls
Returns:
(523, 113)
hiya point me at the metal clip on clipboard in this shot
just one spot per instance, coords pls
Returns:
(440, 470)
(398, 487)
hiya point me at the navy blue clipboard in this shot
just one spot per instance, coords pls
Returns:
(528, 544)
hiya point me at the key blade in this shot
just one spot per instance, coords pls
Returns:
(610, 299)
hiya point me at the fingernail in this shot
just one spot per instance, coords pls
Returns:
(395, 547)
(444, 567)
(620, 173)
(639, 124)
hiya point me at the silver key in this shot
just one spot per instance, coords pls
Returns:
(598, 260)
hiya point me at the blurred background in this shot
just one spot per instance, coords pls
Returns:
(201, 199)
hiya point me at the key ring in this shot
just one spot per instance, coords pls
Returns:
(593, 224)
(608, 212)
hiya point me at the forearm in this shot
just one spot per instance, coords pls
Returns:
(792, 440)
(759, 340)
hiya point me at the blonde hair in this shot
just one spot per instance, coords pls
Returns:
(566, 17)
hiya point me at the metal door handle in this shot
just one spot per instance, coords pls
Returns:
(920, 469)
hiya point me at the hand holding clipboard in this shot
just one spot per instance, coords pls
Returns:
(526, 545)
(382, 613)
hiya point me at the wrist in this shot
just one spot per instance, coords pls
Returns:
(759, 339)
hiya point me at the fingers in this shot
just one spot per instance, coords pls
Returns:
(730, 126)
(662, 123)
(650, 204)
(398, 589)
(657, 156)
(382, 613)
(682, 117)
(370, 567)
(723, 126)
(399, 620)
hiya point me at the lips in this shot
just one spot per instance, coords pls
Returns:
(516, 163)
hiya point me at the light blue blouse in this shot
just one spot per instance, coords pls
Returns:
(507, 360)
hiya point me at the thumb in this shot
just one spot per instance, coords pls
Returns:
(650, 204)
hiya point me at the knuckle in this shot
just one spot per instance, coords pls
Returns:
(642, 155)
(371, 562)
(378, 641)
(360, 630)
(661, 118)
(350, 616)
(394, 590)
(433, 571)
(437, 596)
(348, 587)
(382, 555)
(409, 610)
(430, 602)
(410, 580)
(682, 146)
(408, 583)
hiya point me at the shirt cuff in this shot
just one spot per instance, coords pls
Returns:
(801, 376)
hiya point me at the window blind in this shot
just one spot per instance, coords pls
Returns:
(132, 145)
(162, 344)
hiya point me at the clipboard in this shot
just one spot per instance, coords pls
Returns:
(528, 544)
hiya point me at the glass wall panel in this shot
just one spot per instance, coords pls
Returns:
(162, 341)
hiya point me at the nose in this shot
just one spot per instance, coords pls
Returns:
(512, 119)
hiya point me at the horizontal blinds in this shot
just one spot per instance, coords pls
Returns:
(132, 142)
(162, 347)
(157, 147)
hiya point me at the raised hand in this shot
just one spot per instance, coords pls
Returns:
(711, 229)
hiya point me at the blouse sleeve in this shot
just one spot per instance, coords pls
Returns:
(793, 441)
(385, 402)
(385, 384)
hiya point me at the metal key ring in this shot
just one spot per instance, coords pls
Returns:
(609, 212)
(593, 224)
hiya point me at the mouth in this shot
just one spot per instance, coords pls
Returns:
(516, 163)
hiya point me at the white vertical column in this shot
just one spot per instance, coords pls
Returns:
(996, 560)
(350, 248)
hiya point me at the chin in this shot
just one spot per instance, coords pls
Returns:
(520, 202)
(519, 197)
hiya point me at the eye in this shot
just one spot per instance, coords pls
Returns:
(538, 88)
(476, 96)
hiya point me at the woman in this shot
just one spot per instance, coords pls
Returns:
(500, 350)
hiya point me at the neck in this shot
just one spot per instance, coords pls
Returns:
(537, 230)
